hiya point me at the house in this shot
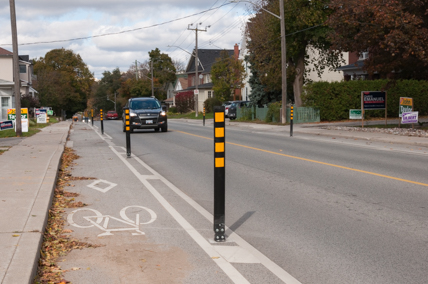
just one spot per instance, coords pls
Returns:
(7, 97)
(207, 57)
(354, 69)
(173, 88)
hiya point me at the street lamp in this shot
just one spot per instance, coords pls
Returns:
(283, 52)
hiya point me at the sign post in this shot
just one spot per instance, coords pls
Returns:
(92, 116)
(371, 100)
(101, 119)
(219, 174)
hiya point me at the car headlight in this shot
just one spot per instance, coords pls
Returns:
(163, 113)
(132, 114)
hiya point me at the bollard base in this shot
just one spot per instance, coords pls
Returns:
(220, 237)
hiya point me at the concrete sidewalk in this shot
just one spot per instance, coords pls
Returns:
(28, 172)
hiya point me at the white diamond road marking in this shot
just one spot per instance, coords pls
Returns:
(96, 185)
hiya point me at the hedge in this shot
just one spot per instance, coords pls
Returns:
(335, 99)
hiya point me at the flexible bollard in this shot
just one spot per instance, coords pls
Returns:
(102, 124)
(291, 120)
(219, 174)
(204, 117)
(128, 132)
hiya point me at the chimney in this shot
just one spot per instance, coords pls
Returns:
(236, 51)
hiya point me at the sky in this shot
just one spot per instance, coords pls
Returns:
(108, 34)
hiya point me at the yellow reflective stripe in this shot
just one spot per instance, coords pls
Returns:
(127, 117)
(219, 162)
(219, 147)
(127, 128)
(219, 132)
(219, 117)
(127, 122)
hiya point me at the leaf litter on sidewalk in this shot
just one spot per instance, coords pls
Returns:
(56, 244)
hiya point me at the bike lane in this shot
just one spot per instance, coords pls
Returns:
(146, 231)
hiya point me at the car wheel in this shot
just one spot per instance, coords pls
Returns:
(157, 129)
(165, 128)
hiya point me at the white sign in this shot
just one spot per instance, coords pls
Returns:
(41, 118)
(196, 92)
(24, 124)
(410, 117)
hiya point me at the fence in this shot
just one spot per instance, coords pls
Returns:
(301, 114)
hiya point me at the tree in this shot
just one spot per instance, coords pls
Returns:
(63, 81)
(227, 74)
(107, 89)
(163, 70)
(395, 33)
(304, 21)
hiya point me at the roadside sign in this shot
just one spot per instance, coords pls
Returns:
(410, 117)
(406, 105)
(8, 124)
(50, 112)
(41, 118)
(196, 92)
(355, 114)
(373, 100)
(11, 113)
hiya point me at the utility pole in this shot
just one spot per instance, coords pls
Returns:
(16, 79)
(151, 67)
(136, 70)
(283, 63)
(196, 65)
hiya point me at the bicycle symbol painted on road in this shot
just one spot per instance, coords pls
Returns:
(93, 218)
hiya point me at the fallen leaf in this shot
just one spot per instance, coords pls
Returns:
(67, 231)
(215, 257)
(75, 268)
(15, 236)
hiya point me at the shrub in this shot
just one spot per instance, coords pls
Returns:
(185, 102)
(210, 103)
(337, 98)
(273, 114)
(173, 109)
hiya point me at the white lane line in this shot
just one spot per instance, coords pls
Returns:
(265, 261)
(227, 267)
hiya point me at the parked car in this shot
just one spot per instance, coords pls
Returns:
(226, 105)
(111, 114)
(234, 106)
(146, 113)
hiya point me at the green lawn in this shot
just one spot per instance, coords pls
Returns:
(32, 129)
(190, 115)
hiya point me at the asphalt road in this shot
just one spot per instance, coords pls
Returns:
(324, 210)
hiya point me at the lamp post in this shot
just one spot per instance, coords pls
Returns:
(281, 17)
(113, 101)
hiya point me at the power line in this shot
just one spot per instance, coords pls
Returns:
(121, 32)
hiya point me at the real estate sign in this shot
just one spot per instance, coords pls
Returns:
(406, 105)
(410, 117)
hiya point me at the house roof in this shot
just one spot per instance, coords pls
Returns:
(5, 52)
(207, 58)
(208, 86)
(184, 83)
(351, 67)
(6, 83)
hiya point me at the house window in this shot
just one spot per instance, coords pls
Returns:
(22, 68)
(364, 55)
(209, 94)
(4, 107)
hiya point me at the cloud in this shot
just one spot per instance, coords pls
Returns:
(138, 22)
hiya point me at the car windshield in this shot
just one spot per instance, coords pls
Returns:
(144, 104)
